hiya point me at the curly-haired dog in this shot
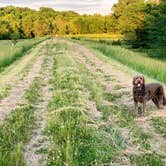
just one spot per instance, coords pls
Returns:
(144, 92)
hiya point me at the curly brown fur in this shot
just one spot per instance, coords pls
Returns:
(144, 92)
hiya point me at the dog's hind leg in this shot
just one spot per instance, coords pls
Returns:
(156, 102)
(164, 98)
(164, 101)
(161, 97)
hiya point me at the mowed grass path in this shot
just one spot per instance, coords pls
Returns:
(77, 132)
(17, 69)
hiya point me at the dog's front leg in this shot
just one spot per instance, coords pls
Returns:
(144, 108)
(135, 107)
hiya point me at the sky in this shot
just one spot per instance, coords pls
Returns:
(80, 6)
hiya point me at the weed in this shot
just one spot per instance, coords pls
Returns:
(160, 125)
(147, 159)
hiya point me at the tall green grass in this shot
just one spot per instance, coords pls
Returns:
(148, 66)
(151, 67)
(9, 53)
(157, 53)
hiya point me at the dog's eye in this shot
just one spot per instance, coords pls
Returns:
(141, 78)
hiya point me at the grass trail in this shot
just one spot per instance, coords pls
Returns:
(18, 70)
(76, 138)
(17, 127)
(35, 150)
(139, 136)
(12, 101)
(15, 130)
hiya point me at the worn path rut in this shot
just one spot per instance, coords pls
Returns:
(35, 151)
(15, 97)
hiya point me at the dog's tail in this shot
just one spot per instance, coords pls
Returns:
(164, 98)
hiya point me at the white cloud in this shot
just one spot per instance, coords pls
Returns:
(80, 6)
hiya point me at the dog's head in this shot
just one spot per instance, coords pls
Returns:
(138, 81)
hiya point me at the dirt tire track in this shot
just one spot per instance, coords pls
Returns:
(15, 97)
(38, 141)
(94, 64)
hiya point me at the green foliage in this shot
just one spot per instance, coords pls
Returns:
(130, 17)
(142, 23)
(155, 27)
(26, 23)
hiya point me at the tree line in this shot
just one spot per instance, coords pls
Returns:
(139, 21)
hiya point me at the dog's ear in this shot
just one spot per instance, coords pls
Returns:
(143, 78)
(133, 82)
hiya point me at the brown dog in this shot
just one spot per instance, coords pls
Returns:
(144, 92)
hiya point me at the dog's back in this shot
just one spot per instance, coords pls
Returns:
(156, 89)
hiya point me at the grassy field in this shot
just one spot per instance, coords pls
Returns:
(11, 52)
(139, 62)
(96, 36)
(89, 119)
(75, 140)
(76, 137)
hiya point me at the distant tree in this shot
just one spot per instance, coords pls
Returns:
(5, 29)
(41, 27)
(156, 24)
(111, 25)
(27, 25)
(130, 16)
(153, 34)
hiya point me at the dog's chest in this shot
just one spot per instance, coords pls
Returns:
(139, 96)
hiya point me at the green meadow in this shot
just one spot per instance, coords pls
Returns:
(66, 85)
